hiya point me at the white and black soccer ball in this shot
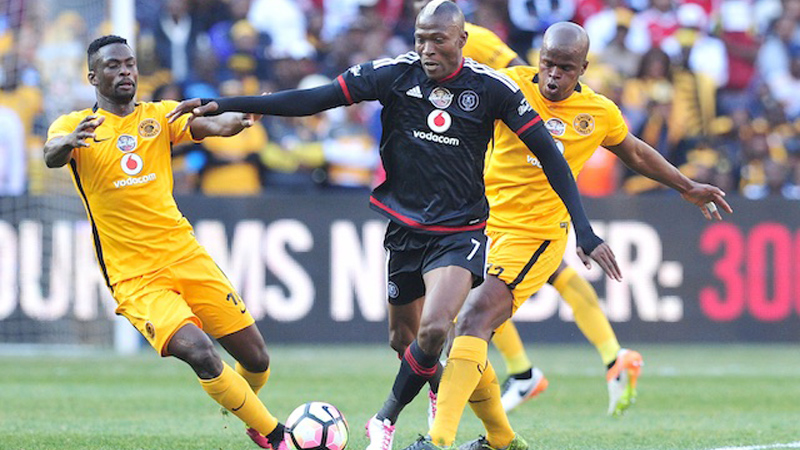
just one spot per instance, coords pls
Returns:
(317, 426)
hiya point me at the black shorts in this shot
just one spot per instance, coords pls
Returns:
(412, 254)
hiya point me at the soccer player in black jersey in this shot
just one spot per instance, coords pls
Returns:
(438, 117)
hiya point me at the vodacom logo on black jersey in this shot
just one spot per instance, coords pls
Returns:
(439, 121)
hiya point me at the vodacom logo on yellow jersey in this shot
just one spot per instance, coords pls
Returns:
(132, 164)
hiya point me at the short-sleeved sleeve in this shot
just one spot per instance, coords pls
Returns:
(178, 131)
(617, 128)
(62, 126)
(487, 48)
(65, 125)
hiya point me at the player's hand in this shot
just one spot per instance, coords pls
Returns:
(709, 199)
(247, 120)
(603, 255)
(85, 130)
(192, 106)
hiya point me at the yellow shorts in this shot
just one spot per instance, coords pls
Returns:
(524, 263)
(191, 290)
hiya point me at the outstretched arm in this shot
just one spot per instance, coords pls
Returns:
(559, 175)
(644, 159)
(293, 103)
(226, 124)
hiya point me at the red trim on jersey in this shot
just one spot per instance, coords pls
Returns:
(415, 224)
(416, 367)
(533, 122)
(452, 75)
(345, 90)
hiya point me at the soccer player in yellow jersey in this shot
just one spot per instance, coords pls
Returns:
(528, 225)
(163, 281)
(525, 381)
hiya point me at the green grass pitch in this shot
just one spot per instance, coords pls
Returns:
(690, 397)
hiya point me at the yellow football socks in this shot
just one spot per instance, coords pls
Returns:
(508, 342)
(231, 391)
(256, 380)
(485, 402)
(591, 320)
(463, 372)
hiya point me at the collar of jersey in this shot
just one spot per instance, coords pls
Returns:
(452, 75)
(96, 106)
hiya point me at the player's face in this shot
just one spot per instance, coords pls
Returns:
(115, 73)
(559, 71)
(439, 41)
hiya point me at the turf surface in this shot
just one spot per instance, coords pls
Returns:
(690, 397)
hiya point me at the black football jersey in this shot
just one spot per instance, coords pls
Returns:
(435, 135)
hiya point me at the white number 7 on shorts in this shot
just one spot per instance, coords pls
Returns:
(476, 245)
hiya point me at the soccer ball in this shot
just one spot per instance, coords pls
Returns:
(317, 426)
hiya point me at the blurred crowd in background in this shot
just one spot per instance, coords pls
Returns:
(714, 85)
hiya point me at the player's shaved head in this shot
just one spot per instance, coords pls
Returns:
(442, 10)
(562, 60)
(568, 38)
(439, 37)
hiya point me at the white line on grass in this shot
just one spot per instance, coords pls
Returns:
(762, 447)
